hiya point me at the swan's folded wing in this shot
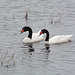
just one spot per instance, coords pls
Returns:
(60, 39)
(36, 37)
(27, 40)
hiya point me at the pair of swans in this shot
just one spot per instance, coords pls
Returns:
(36, 37)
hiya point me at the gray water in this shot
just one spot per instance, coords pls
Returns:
(15, 58)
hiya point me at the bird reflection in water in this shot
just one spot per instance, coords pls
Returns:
(45, 51)
(47, 46)
(30, 47)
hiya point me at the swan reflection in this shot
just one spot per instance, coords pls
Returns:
(46, 51)
(47, 46)
(30, 47)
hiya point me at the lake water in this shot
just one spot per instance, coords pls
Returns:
(15, 58)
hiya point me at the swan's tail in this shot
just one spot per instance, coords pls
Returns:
(69, 36)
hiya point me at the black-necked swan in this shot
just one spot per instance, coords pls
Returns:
(55, 39)
(32, 37)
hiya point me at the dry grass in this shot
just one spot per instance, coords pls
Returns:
(6, 60)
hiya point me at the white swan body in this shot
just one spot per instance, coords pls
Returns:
(59, 39)
(32, 37)
(35, 38)
(55, 39)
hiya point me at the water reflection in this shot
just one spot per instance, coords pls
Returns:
(46, 54)
(29, 46)
(47, 46)
(46, 51)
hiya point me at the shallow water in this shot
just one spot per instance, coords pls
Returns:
(61, 58)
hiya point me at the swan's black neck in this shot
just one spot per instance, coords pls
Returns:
(47, 34)
(30, 33)
(26, 28)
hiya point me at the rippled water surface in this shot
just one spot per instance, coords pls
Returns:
(58, 16)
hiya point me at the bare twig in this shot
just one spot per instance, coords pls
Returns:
(52, 18)
(11, 57)
(3, 57)
(13, 16)
(58, 20)
(26, 15)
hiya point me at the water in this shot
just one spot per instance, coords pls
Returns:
(15, 58)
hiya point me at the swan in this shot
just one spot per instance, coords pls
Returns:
(55, 39)
(32, 37)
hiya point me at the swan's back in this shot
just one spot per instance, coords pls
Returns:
(60, 39)
(27, 40)
(35, 38)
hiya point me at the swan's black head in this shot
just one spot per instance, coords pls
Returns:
(43, 31)
(47, 34)
(26, 28)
